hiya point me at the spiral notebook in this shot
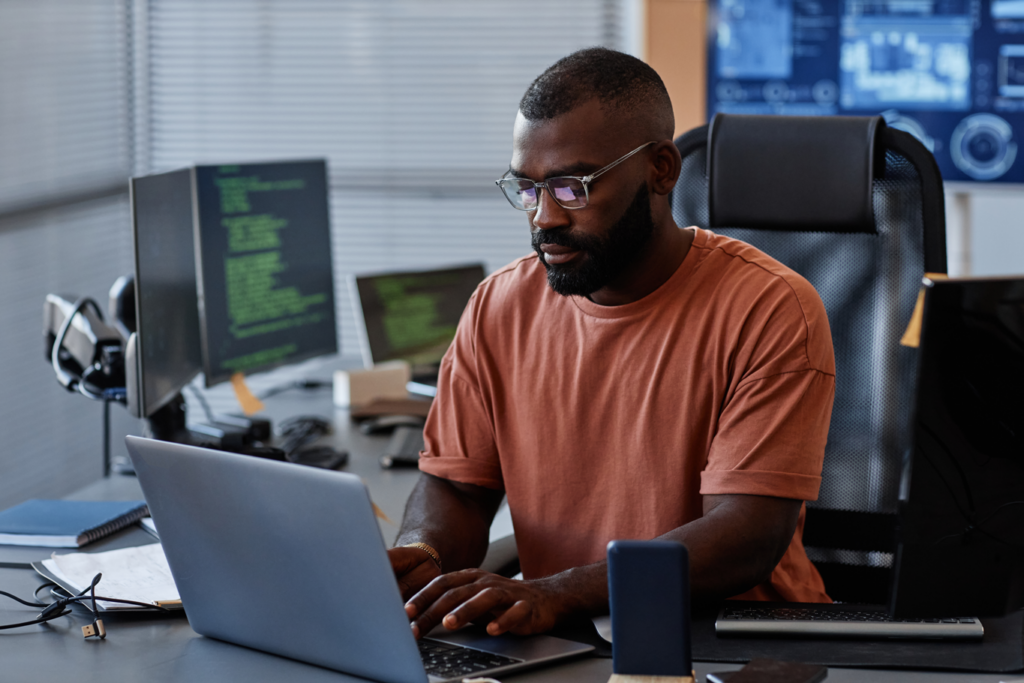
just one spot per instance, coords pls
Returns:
(67, 523)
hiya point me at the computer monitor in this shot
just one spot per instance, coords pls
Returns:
(265, 276)
(950, 72)
(961, 506)
(163, 354)
(412, 315)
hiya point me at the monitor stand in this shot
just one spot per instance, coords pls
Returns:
(168, 423)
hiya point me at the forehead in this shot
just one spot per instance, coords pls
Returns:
(579, 141)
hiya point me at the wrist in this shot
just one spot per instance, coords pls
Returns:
(429, 550)
(578, 592)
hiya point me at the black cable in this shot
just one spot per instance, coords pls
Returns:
(50, 612)
(59, 608)
(106, 437)
(48, 584)
(41, 620)
(63, 595)
(92, 592)
(24, 602)
(202, 401)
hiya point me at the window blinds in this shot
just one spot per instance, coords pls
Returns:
(65, 157)
(412, 103)
(64, 102)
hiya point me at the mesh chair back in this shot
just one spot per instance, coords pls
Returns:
(869, 285)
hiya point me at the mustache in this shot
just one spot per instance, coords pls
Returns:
(562, 238)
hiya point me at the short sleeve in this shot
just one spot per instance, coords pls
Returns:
(459, 434)
(773, 426)
(771, 437)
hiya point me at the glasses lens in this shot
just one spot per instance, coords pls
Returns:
(568, 192)
(522, 193)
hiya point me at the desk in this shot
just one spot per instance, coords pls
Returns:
(157, 648)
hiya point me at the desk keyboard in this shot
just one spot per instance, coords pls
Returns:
(445, 660)
(839, 621)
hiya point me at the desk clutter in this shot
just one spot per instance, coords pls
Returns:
(139, 574)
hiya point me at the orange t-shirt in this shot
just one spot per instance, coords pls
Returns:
(611, 422)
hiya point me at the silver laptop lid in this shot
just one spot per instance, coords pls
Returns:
(219, 513)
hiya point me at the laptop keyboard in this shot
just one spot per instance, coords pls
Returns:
(445, 660)
(835, 621)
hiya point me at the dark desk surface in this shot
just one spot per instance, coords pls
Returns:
(158, 648)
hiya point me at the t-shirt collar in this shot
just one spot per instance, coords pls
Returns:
(670, 289)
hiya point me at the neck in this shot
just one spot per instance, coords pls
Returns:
(654, 266)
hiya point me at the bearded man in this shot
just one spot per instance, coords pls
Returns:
(630, 379)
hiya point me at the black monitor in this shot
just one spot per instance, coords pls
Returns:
(961, 517)
(163, 354)
(950, 72)
(412, 315)
(266, 284)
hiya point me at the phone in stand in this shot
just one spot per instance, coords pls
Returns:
(649, 595)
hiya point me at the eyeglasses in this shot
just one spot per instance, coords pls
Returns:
(569, 192)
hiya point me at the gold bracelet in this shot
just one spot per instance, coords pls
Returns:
(429, 551)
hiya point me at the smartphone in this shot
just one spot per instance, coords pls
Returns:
(649, 596)
(774, 671)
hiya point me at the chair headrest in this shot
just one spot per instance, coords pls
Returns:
(810, 173)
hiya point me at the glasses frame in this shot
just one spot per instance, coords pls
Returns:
(584, 180)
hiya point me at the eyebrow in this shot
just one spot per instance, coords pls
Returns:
(578, 169)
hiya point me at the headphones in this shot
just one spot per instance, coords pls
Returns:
(90, 383)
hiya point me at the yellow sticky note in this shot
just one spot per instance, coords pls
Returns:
(380, 514)
(250, 404)
(912, 337)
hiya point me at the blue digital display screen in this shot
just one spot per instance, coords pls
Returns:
(950, 72)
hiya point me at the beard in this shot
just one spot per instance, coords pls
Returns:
(603, 258)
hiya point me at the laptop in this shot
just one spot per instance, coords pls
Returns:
(412, 316)
(290, 560)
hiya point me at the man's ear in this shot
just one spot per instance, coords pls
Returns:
(666, 167)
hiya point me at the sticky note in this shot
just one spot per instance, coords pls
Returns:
(249, 403)
(380, 514)
(912, 336)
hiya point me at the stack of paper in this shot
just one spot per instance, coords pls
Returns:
(140, 574)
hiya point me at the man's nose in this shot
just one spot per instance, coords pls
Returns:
(549, 214)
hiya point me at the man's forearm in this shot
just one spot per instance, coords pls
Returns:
(452, 518)
(733, 547)
(729, 554)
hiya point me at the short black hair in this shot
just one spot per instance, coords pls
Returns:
(619, 81)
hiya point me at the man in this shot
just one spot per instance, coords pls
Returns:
(631, 379)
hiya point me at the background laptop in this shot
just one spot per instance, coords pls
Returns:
(290, 560)
(412, 316)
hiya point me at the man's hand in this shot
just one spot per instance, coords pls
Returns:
(473, 595)
(414, 569)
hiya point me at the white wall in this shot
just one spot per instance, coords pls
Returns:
(984, 230)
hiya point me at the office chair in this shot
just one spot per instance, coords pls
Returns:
(857, 209)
